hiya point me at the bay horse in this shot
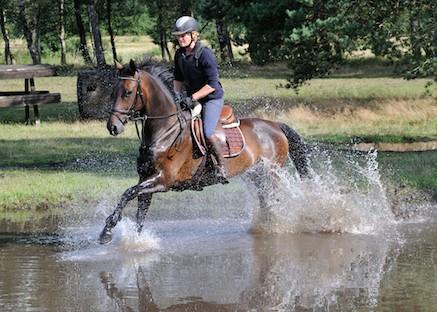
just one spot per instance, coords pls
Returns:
(165, 160)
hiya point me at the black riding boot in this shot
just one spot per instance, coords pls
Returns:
(217, 151)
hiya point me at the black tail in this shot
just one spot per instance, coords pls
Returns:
(297, 149)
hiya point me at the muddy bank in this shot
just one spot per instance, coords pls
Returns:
(36, 225)
(396, 147)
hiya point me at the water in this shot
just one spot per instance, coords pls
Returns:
(329, 244)
(220, 267)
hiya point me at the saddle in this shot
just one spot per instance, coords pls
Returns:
(228, 131)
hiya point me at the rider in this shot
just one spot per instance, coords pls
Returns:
(196, 71)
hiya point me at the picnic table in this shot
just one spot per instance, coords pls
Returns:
(30, 96)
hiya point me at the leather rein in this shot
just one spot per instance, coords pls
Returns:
(137, 116)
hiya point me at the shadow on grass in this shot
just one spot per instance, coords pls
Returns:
(354, 68)
(64, 111)
(100, 156)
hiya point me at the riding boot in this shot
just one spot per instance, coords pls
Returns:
(217, 151)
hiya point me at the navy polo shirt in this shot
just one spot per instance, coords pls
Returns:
(195, 77)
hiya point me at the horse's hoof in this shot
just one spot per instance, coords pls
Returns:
(105, 237)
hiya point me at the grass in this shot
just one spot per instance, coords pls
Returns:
(65, 160)
(414, 170)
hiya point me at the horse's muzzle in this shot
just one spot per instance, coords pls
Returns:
(114, 128)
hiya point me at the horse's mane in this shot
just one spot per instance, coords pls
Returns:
(160, 71)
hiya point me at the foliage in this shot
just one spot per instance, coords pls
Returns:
(323, 32)
(314, 37)
(261, 27)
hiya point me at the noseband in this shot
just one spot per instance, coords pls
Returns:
(134, 115)
(137, 116)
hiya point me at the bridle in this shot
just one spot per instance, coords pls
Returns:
(138, 116)
(134, 115)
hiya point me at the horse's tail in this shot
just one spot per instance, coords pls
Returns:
(297, 150)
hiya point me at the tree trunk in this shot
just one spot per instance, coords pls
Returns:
(226, 54)
(62, 31)
(32, 36)
(170, 58)
(82, 36)
(97, 39)
(162, 44)
(9, 59)
(110, 30)
(185, 7)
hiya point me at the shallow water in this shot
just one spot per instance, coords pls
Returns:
(199, 251)
(205, 265)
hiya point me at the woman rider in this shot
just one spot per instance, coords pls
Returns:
(196, 71)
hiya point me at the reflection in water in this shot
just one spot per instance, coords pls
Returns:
(220, 271)
(217, 266)
(279, 273)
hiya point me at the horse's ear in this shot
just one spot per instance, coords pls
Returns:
(118, 65)
(133, 67)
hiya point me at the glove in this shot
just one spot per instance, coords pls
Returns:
(189, 103)
(178, 98)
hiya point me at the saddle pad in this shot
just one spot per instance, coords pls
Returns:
(234, 143)
(232, 139)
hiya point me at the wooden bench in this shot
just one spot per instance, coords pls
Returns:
(29, 96)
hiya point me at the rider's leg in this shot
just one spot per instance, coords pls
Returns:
(211, 114)
(216, 149)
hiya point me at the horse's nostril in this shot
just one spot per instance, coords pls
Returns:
(114, 130)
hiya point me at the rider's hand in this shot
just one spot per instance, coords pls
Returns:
(179, 98)
(189, 102)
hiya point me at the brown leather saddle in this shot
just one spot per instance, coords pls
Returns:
(228, 130)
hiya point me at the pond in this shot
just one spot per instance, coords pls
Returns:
(203, 265)
(329, 244)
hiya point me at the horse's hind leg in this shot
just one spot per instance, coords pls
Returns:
(143, 206)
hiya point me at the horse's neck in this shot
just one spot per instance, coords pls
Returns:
(159, 104)
(159, 101)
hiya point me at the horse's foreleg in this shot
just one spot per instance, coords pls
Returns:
(147, 187)
(143, 206)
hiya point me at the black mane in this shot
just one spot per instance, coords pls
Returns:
(160, 71)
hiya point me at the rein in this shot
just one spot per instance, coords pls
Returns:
(132, 113)
(137, 116)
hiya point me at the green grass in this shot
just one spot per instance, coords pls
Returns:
(65, 160)
(416, 170)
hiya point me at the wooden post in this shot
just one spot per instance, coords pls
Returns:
(36, 114)
(26, 107)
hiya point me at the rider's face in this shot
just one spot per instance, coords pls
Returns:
(184, 40)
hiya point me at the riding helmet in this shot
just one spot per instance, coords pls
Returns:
(184, 25)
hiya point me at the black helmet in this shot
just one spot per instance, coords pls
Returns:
(184, 25)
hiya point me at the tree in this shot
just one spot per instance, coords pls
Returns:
(217, 10)
(264, 26)
(9, 59)
(320, 32)
(31, 29)
(315, 43)
(81, 32)
(110, 31)
(62, 31)
(95, 29)
(163, 13)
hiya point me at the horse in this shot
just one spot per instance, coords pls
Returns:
(166, 160)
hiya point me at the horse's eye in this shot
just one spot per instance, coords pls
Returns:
(127, 94)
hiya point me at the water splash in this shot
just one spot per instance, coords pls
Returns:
(130, 240)
(345, 194)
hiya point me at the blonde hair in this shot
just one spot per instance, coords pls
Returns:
(195, 35)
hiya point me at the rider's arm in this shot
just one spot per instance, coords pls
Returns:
(203, 92)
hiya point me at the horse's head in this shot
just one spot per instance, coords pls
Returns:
(126, 97)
